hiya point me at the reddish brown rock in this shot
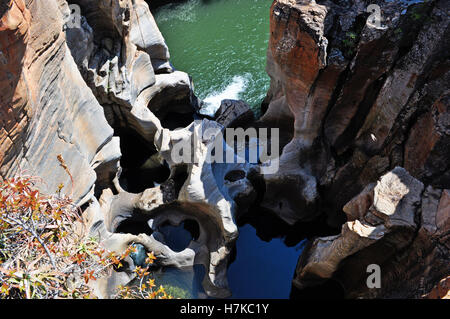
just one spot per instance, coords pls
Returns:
(427, 146)
(377, 100)
(297, 51)
(14, 115)
(440, 291)
(46, 107)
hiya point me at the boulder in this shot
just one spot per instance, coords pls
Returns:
(233, 114)
(396, 225)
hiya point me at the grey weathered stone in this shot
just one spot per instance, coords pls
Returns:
(392, 224)
(232, 113)
(49, 110)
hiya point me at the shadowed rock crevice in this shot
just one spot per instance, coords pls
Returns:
(329, 289)
(357, 121)
(134, 227)
(389, 226)
(352, 100)
(383, 109)
(141, 166)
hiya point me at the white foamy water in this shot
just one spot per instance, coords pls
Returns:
(183, 11)
(232, 91)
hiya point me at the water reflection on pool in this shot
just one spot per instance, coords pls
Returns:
(261, 270)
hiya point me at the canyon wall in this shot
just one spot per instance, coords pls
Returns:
(46, 108)
(361, 105)
(88, 95)
(363, 98)
(65, 88)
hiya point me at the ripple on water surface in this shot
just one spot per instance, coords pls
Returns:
(222, 44)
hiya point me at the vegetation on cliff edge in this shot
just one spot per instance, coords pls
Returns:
(44, 250)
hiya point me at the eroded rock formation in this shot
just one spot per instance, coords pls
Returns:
(361, 98)
(396, 224)
(46, 107)
(362, 109)
(356, 96)
(88, 91)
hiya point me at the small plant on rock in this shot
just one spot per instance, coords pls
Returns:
(44, 250)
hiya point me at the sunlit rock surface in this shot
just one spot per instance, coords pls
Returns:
(353, 99)
(85, 92)
(46, 107)
(354, 102)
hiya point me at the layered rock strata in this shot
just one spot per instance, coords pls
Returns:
(46, 108)
(357, 96)
(89, 79)
(364, 92)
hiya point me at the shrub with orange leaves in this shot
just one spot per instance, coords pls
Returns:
(44, 252)
(145, 289)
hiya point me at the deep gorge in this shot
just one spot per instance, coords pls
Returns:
(364, 132)
(222, 45)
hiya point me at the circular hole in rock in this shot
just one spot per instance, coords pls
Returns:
(173, 120)
(141, 167)
(179, 237)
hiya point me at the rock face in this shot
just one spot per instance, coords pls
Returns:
(93, 90)
(395, 224)
(206, 197)
(232, 113)
(354, 99)
(46, 108)
(361, 99)
(361, 105)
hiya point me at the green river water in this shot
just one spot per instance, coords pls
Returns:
(222, 44)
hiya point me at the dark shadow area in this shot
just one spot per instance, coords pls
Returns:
(269, 226)
(193, 228)
(103, 27)
(153, 4)
(173, 120)
(235, 175)
(330, 289)
(179, 237)
(140, 171)
(3, 8)
(172, 186)
(134, 227)
(135, 150)
(179, 177)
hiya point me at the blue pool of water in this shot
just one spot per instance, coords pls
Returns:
(262, 269)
